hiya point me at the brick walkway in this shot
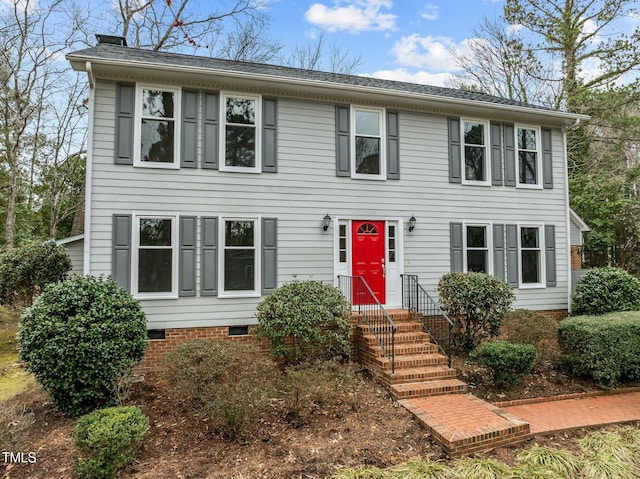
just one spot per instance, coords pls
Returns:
(579, 412)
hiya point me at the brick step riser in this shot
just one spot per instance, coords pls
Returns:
(428, 389)
(400, 378)
(410, 349)
(399, 339)
(401, 363)
(400, 328)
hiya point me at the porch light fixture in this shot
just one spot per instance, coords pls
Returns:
(412, 223)
(326, 221)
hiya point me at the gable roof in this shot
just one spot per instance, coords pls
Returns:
(579, 222)
(115, 55)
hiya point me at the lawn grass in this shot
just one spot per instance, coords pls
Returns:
(13, 377)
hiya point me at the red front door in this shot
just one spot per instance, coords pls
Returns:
(368, 255)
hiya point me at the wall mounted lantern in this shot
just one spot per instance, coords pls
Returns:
(412, 223)
(326, 221)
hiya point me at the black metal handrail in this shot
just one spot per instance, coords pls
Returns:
(425, 309)
(359, 294)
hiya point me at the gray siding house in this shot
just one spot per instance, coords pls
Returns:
(211, 182)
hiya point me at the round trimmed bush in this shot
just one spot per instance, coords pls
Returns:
(606, 290)
(108, 439)
(305, 320)
(508, 362)
(79, 337)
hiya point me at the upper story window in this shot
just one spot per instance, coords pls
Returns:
(155, 256)
(368, 147)
(476, 248)
(156, 130)
(240, 141)
(528, 157)
(530, 239)
(475, 164)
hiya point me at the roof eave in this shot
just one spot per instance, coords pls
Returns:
(79, 63)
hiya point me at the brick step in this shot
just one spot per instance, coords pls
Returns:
(416, 375)
(411, 337)
(428, 388)
(402, 327)
(413, 361)
(406, 349)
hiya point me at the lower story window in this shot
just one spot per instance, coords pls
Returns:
(530, 255)
(477, 248)
(239, 245)
(155, 255)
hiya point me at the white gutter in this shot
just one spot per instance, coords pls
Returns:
(337, 86)
(567, 215)
(86, 267)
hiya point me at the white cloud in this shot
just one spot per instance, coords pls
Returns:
(433, 53)
(352, 15)
(423, 77)
(430, 12)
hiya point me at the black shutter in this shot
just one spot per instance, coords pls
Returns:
(512, 256)
(343, 162)
(393, 146)
(269, 255)
(550, 253)
(455, 151)
(210, 131)
(547, 160)
(125, 104)
(189, 129)
(187, 256)
(498, 251)
(496, 154)
(209, 256)
(509, 155)
(121, 251)
(269, 135)
(457, 249)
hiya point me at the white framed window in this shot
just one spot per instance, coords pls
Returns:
(156, 129)
(477, 248)
(528, 157)
(239, 257)
(240, 139)
(155, 256)
(475, 152)
(367, 145)
(531, 255)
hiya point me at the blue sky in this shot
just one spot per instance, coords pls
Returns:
(404, 40)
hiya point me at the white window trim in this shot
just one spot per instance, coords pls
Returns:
(174, 217)
(383, 143)
(257, 244)
(137, 126)
(489, 230)
(487, 156)
(541, 247)
(538, 185)
(222, 138)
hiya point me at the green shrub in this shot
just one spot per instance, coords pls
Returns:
(606, 290)
(305, 320)
(228, 381)
(524, 326)
(108, 439)
(507, 361)
(78, 338)
(26, 270)
(476, 302)
(605, 348)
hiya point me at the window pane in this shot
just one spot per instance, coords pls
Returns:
(474, 163)
(474, 133)
(241, 111)
(477, 261)
(157, 103)
(367, 123)
(154, 270)
(157, 141)
(238, 233)
(476, 237)
(240, 146)
(526, 139)
(239, 265)
(155, 232)
(529, 237)
(531, 266)
(368, 156)
(528, 173)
